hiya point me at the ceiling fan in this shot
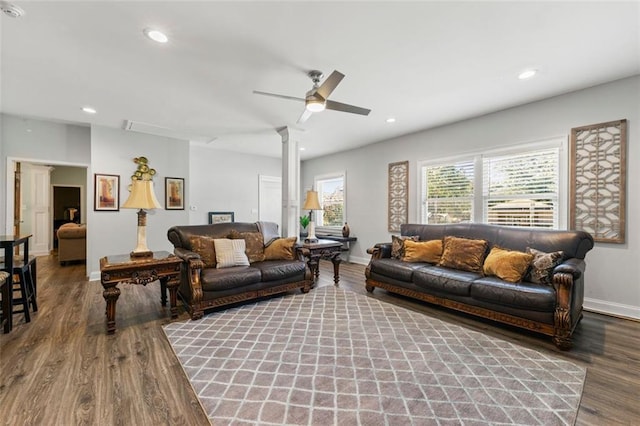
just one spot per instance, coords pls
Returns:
(316, 99)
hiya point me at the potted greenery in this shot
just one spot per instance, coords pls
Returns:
(304, 222)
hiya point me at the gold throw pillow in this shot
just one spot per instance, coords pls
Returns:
(397, 245)
(204, 246)
(506, 264)
(254, 244)
(281, 249)
(422, 251)
(463, 253)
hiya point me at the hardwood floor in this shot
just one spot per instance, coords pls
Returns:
(62, 369)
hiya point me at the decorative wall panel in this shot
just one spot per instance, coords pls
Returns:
(598, 180)
(398, 195)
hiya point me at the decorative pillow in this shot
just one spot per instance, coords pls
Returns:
(281, 249)
(542, 265)
(230, 253)
(506, 264)
(422, 251)
(204, 246)
(463, 253)
(397, 245)
(254, 244)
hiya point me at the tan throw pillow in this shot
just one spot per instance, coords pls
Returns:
(542, 265)
(281, 249)
(506, 264)
(205, 248)
(422, 251)
(463, 253)
(230, 253)
(397, 245)
(254, 244)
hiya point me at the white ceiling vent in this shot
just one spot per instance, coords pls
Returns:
(152, 129)
(11, 9)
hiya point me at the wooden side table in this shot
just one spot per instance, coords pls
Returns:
(163, 266)
(323, 249)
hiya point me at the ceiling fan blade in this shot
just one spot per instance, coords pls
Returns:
(330, 84)
(304, 116)
(339, 106)
(292, 98)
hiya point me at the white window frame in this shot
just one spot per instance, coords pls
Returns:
(559, 142)
(328, 176)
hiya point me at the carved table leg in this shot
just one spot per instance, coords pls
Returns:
(172, 285)
(163, 291)
(111, 294)
(314, 267)
(335, 259)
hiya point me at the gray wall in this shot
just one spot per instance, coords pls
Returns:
(227, 181)
(612, 269)
(72, 176)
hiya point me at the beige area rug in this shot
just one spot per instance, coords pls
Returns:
(333, 357)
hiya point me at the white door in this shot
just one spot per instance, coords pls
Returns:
(36, 207)
(270, 203)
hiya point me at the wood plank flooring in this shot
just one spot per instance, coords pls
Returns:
(62, 369)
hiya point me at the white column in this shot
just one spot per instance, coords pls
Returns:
(290, 181)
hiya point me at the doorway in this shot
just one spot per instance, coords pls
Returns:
(67, 203)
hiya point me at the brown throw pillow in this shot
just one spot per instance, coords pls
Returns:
(254, 244)
(204, 246)
(507, 264)
(281, 249)
(463, 253)
(542, 265)
(397, 245)
(422, 251)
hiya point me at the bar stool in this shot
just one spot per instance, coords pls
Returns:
(6, 311)
(25, 285)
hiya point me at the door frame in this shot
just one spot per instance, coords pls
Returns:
(9, 194)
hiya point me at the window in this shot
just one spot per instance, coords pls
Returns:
(331, 195)
(514, 188)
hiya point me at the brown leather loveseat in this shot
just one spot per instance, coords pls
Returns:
(213, 274)
(544, 294)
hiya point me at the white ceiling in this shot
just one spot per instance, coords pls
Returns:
(424, 63)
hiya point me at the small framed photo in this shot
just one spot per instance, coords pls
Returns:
(106, 192)
(174, 193)
(221, 217)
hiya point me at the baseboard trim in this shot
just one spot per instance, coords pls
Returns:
(94, 276)
(359, 260)
(611, 308)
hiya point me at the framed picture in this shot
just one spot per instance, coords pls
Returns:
(174, 193)
(106, 192)
(220, 217)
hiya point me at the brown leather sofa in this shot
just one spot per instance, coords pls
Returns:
(205, 287)
(552, 309)
(72, 242)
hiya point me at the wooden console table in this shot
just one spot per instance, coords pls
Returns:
(163, 266)
(323, 249)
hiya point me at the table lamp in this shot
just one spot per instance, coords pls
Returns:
(311, 204)
(142, 197)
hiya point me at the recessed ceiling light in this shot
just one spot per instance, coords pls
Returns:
(302, 148)
(390, 120)
(155, 35)
(526, 74)
(89, 110)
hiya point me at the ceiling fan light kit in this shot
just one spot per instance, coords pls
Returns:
(317, 99)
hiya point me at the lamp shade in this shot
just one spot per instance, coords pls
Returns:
(312, 203)
(141, 196)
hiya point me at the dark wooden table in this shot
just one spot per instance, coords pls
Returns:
(323, 249)
(163, 266)
(8, 243)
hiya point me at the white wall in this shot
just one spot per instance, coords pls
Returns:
(41, 141)
(613, 270)
(112, 152)
(227, 181)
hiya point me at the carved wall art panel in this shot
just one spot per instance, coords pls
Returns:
(598, 180)
(398, 195)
